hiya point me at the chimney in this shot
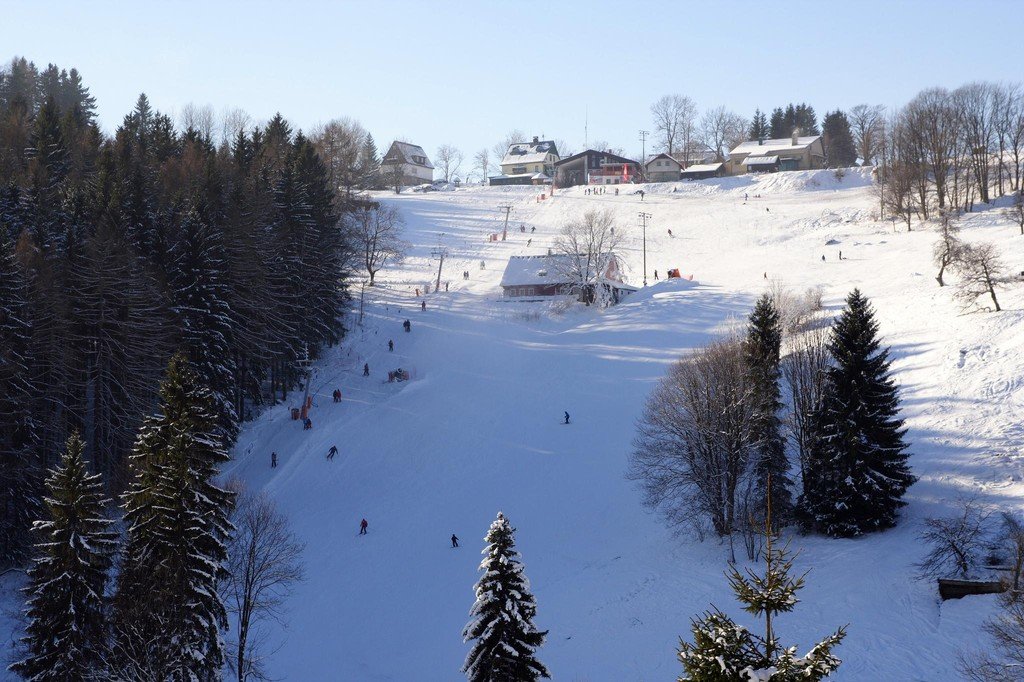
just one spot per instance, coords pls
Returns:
(535, 140)
(796, 136)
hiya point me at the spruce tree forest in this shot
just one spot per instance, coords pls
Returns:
(118, 251)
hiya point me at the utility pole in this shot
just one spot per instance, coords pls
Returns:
(507, 208)
(439, 252)
(643, 153)
(642, 218)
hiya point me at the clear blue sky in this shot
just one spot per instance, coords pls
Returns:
(465, 73)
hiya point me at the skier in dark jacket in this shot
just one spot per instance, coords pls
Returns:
(366, 369)
(332, 452)
(455, 541)
(408, 325)
(423, 305)
(273, 460)
(362, 527)
(391, 345)
(566, 417)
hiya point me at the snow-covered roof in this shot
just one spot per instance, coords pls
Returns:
(780, 145)
(709, 167)
(760, 160)
(538, 270)
(662, 156)
(407, 152)
(527, 270)
(529, 152)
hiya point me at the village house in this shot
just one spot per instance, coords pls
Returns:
(535, 277)
(662, 168)
(765, 156)
(592, 167)
(528, 163)
(411, 160)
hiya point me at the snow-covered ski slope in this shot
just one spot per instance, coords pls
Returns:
(478, 429)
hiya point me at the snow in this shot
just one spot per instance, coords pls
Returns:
(775, 145)
(479, 428)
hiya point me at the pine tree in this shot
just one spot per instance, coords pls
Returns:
(369, 164)
(506, 640)
(761, 356)
(169, 616)
(200, 304)
(759, 129)
(66, 617)
(857, 470)
(779, 126)
(723, 651)
(840, 152)
(19, 475)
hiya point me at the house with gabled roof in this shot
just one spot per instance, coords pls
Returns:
(410, 160)
(792, 153)
(535, 277)
(528, 163)
(595, 167)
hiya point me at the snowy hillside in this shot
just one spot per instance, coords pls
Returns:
(478, 429)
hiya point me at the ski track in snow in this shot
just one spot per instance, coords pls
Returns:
(478, 429)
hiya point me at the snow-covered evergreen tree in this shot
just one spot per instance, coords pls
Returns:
(723, 651)
(169, 616)
(857, 470)
(369, 164)
(505, 640)
(66, 616)
(205, 321)
(19, 475)
(761, 357)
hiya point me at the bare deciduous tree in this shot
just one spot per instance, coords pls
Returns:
(674, 122)
(720, 130)
(692, 451)
(1016, 210)
(1004, 661)
(980, 271)
(265, 562)
(957, 543)
(588, 245)
(803, 369)
(946, 251)
(1011, 541)
(501, 148)
(232, 123)
(339, 142)
(378, 229)
(482, 159)
(449, 160)
(867, 125)
(198, 118)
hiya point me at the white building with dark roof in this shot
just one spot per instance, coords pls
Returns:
(528, 163)
(412, 162)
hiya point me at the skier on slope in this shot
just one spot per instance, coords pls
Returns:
(273, 460)
(391, 346)
(566, 417)
(455, 540)
(332, 452)
(362, 527)
(366, 369)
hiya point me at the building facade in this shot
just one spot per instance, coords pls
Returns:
(408, 160)
(794, 153)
